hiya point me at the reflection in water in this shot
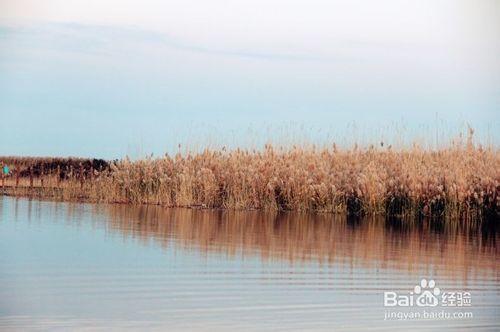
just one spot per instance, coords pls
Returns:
(67, 266)
(327, 238)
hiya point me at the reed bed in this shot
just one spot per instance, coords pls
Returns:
(462, 180)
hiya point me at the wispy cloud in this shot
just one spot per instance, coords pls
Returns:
(100, 39)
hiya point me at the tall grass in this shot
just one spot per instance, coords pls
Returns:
(461, 180)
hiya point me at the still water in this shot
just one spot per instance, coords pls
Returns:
(82, 266)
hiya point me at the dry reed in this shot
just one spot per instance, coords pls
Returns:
(461, 180)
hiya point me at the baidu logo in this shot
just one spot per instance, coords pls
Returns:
(426, 301)
(424, 294)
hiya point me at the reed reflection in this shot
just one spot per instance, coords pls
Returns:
(381, 243)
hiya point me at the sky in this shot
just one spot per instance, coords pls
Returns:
(113, 78)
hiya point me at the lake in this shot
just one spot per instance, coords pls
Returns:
(87, 266)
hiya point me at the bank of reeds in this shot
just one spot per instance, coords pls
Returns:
(462, 180)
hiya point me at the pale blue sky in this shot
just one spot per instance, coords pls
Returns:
(109, 78)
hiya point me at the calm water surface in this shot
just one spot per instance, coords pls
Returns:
(83, 266)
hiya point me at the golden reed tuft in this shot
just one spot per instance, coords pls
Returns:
(461, 180)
